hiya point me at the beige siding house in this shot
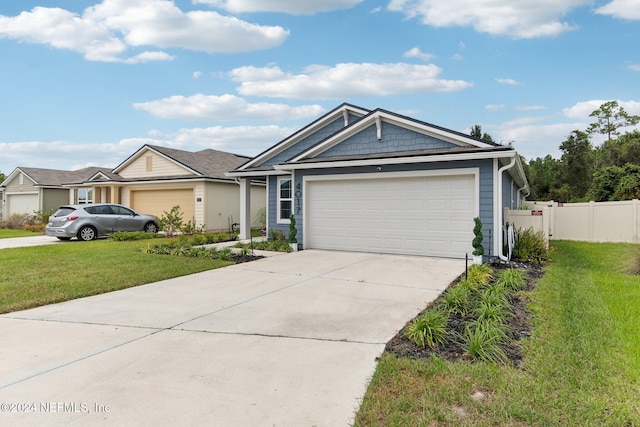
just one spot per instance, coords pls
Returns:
(29, 190)
(154, 179)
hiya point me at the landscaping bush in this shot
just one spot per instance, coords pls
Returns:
(428, 329)
(18, 221)
(511, 278)
(632, 264)
(482, 340)
(530, 245)
(457, 299)
(479, 275)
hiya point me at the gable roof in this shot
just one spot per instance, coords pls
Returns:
(54, 177)
(208, 163)
(341, 110)
(378, 116)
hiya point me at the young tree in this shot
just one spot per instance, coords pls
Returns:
(544, 177)
(578, 164)
(610, 118)
(476, 131)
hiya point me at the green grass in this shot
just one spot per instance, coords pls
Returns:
(581, 366)
(40, 275)
(6, 233)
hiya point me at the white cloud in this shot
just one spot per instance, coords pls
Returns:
(344, 81)
(66, 155)
(457, 57)
(197, 74)
(517, 19)
(293, 7)
(536, 140)
(494, 107)
(106, 31)
(417, 53)
(508, 82)
(224, 108)
(634, 67)
(582, 110)
(623, 9)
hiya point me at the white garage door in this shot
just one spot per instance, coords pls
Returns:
(22, 203)
(427, 215)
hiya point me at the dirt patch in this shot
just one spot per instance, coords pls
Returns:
(518, 322)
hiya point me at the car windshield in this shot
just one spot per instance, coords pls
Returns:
(64, 211)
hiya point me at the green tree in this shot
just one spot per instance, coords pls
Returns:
(544, 177)
(476, 131)
(577, 159)
(1, 177)
(616, 183)
(610, 118)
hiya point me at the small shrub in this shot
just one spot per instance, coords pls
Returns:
(457, 299)
(511, 278)
(224, 254)
(482, 341)
(293, 232)
(277, 236)
(478, 249)
(171, 222)
(428, 329)
(530, 245)
(38, 228)
(479, 275)
(18, 221)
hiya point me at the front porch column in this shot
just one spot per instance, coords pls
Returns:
(245, 208)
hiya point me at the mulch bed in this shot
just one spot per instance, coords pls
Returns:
(518, 323)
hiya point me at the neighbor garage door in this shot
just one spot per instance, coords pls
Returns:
(156, 202)
(426, 215)
(22, 203)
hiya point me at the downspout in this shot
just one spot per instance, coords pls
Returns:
(501, 210)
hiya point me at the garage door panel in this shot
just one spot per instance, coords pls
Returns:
(22, 203)
(428, 215)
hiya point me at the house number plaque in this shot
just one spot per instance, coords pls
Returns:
(298, 197)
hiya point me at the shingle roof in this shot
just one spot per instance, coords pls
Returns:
(209, 163)
(55, 177)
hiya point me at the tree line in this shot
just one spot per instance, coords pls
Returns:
(608, 172)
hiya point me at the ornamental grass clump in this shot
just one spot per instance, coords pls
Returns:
(483, 340)
(479, 275)
(511, 278)
(429, 329)
(457, 299)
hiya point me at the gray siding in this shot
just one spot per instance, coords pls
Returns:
(53, 198)
(394, 139)
(485, 193)
(309, 141)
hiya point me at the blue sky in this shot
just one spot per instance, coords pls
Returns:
(88, 83)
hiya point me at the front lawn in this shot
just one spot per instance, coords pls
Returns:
(6, 233)
(580, 367)
(40, 275)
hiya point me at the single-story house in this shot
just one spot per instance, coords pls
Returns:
(376, 181)
(152, 180)
(29, 190)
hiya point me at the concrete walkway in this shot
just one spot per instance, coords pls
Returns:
(21, 242)
(289, 340)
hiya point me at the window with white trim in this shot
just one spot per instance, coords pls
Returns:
(85, 195)
(285, 200)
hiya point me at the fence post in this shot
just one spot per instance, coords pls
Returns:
(634, 215)
(591, 220)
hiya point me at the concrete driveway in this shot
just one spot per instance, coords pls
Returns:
(21, 242)
(289, 340)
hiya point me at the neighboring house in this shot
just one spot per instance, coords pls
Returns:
(376, 181)
(152, 180)
(29, 190)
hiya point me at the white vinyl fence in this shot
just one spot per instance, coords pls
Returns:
(589, 222)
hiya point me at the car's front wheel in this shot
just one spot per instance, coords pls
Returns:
(87, 233)
(151, 227)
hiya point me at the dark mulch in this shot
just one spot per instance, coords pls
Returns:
(246, 258)
(518, 323)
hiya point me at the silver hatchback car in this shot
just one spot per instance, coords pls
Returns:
(88, 222)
